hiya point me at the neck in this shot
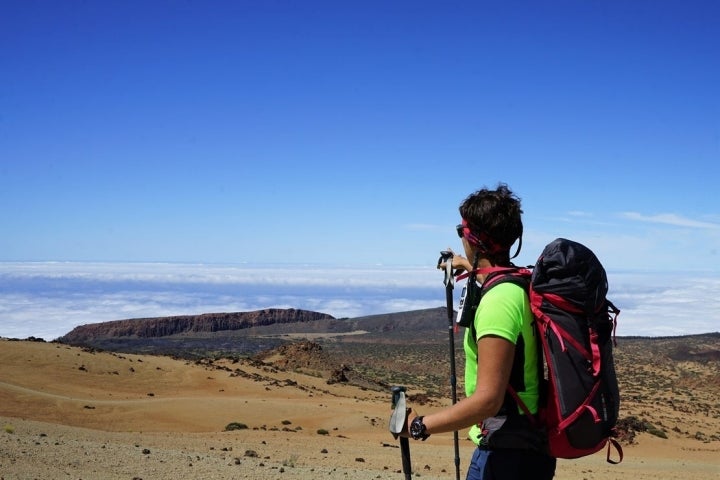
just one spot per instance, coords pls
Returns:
(483, 263)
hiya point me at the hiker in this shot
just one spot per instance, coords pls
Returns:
(500, 348)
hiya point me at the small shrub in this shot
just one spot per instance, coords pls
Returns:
(286, 422)
(290, 462)
(322, 431)
(628, 426)
(235, 426)
(657, 432)
(9, 429)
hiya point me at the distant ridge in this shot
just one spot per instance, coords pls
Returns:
(183, 324)
(247, 333)
(244, 333)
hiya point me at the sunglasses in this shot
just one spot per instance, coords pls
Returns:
(460, 230)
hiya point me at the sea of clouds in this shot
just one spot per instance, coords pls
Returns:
(48, 299)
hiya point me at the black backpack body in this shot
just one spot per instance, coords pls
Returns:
(575, 326)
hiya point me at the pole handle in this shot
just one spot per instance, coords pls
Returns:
(446, 257)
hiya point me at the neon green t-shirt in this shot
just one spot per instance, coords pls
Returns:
(504, 311)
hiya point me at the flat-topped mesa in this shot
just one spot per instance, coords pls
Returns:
(206, 322)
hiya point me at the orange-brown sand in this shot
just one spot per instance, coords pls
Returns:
(75, 414)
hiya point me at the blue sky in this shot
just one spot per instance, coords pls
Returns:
(347, 133)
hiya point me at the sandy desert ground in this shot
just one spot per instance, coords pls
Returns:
(69, 413)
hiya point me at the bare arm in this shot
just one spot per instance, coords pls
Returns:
(495, 358)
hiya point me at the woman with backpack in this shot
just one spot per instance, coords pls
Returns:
(500, 350)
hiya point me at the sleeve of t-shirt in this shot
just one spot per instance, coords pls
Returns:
(500, 312)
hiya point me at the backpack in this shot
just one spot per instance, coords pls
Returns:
(575, 324)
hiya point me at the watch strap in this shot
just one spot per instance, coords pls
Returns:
(418, 431)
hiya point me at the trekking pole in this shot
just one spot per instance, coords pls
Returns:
(449, 281)
(397, 425)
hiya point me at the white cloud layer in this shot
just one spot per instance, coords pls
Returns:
(47, 300)
(670, 219)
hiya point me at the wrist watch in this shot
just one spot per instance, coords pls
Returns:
(418, 430)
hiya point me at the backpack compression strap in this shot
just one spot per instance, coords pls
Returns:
(611, 442)
(536, 300)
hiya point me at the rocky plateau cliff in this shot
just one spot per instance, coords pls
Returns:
(205, 323)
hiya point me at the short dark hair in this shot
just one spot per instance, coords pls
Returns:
(497, 214)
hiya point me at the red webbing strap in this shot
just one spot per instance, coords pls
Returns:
(594, 354)
(560, 302)
(614, 443)
(543, 320)
(546, 322)
(578, 346)
(582, 408)
(595, 347)
(536, 300)
(486, 271)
